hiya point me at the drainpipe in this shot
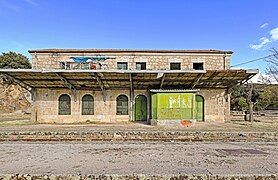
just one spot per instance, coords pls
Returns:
(224, 61)
(36, 57)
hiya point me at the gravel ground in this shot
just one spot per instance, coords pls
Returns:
(150, 158)
(239, 126)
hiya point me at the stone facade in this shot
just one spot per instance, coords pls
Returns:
(46, 106)
(45, 109)
(216, 105)
(154, 61)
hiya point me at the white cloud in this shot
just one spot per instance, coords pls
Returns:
(274, 34)
(263, 40)
(272, 37)
(264, 25)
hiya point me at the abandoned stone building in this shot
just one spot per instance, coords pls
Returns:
(116, 85)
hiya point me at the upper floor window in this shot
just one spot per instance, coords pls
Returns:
(87, 105)
(122, 65)
(175, 66)
(64, 65)
(122, 105)
(198, 66)
(141, 66)
(64, 105)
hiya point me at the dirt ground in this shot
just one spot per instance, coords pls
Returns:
(234, 126)
(149, 158)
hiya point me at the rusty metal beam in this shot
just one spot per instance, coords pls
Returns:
(17, 81)
(162, 81)
(196, 81)
(101, 85)
(69, 85)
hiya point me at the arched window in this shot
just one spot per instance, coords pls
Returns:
(87, 105)
(64, 105)
(122, 105)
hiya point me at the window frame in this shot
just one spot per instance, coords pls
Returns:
(199, 63)
(87, 110)
(122, 105)
(120, 65)
(141, 63)
(175, 63)
(62, 110)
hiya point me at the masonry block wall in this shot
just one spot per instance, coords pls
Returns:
(45, 108)
(216, 104)
(154, 61)
(47, 101)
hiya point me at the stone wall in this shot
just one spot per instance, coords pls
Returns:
(154, 61)
(45, 108)
(135, 176)
(217, 105)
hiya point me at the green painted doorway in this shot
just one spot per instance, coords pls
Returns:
(141, 108)
(200, 108)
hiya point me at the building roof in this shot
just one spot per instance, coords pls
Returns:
(125, 79)
(54, 50)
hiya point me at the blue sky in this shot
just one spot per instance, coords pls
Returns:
(249, 27)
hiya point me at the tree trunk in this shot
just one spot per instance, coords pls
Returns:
(249, 101)
(251, 116)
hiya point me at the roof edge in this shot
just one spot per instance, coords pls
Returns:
(212, 51)
(248, 71)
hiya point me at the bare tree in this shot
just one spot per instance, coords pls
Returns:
(272, 69)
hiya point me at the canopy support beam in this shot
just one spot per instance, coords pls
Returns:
(17, 81)
(162, 81)
(196, 81)
(69, 85)
(101, 85)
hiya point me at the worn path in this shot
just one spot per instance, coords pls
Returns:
(150, 158)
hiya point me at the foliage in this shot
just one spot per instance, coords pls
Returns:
(13, 60)
(268, 97)
(242, 103)
(239, 95)
(263, 96)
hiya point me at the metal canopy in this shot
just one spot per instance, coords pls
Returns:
(121, 79)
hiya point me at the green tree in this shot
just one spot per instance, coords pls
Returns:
(244, 97)
(242, 103)
(13, 60)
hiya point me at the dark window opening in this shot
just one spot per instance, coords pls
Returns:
(175, 66)
(198, 66)
(122, 105)
(87, 105)
(141, 66)
(122, 65)
(64, 105)
(64, 65)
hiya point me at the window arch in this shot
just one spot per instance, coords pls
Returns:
(87, 105)
(122, 105)
(64, 105)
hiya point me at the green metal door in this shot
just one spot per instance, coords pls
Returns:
(200, 108)
(141, 108)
